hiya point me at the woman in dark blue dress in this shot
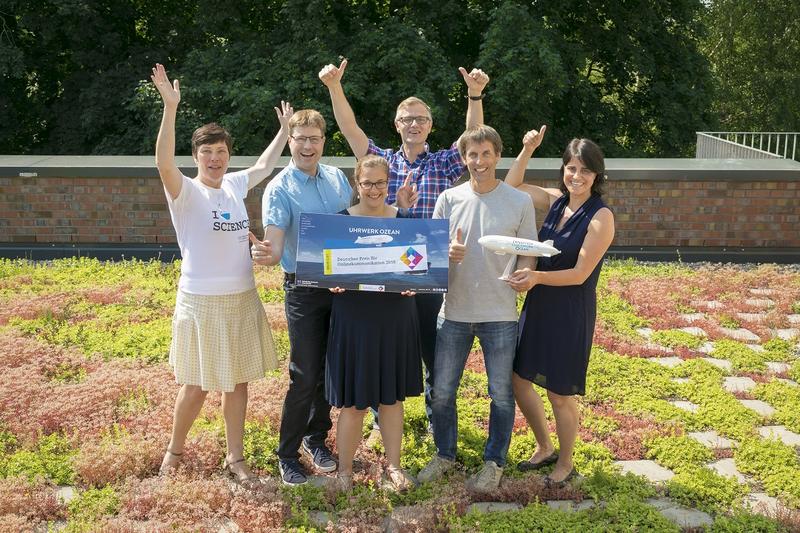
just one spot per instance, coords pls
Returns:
(557, 320)
(373, 357)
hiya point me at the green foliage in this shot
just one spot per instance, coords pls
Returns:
(66, 373)
(89, 506)
(620, 514)
(680, 454)
(705, 489)
(744, 37)
(785, 399)
(742, 522)
(591, 456)
(774, 464)
(744, 359)
(777, 349)
(727, 321)
(674, 338)
(796, 308)
(719, 408)
(260, 443)
(619, 315)
(601, 426)
(51, 458)
(603, 484)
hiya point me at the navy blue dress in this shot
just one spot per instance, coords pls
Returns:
(374, 351)
(557, 323)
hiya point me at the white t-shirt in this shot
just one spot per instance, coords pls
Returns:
(212, 227)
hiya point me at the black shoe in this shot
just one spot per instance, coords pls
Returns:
(292, 472)
(552, 484)
(321, 457)
(526, 466)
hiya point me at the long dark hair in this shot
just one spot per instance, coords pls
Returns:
(591, 156)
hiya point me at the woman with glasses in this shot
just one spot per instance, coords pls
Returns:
(373, 357)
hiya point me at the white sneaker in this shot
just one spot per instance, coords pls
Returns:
(435, 469)
(487, 479)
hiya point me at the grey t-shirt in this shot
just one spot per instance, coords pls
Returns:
(475, 294)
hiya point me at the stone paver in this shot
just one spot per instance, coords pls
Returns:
(762, 408)
(691, 317)
(492, 507)
(684, 517)
(709, 304)
(680, 381)
(762, 291)
(757, 348)
(321, 518)
(781, 433)
(660, 348)
(649, 469)
(727, 468)
(669, 362)
(751, 317)
(788, 381)
(740, 334)
(777, 368)
(793, 319)
(712, 439)
(561, 505)
(320, 481)
(706, 347)
(229, 526)
(403, 518)
(66, 493)
(685, 405)
(738, 384)
(760, 302)
(694, 330)
(645, 332)
(761, 502)
(787, 334)
(724, 364)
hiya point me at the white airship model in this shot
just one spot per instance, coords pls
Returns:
(502, 245)
(374, 239)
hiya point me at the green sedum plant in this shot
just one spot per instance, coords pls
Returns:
(675, 338)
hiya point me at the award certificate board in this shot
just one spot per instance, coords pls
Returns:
(372, 254)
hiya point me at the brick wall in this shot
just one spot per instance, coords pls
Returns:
(649, 212)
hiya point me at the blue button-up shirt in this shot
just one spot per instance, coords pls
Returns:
(292, 192)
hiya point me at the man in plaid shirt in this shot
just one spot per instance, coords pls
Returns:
(416, 175)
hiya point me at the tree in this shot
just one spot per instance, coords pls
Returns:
(754, 50)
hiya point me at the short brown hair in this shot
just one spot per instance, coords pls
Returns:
(307, 118)
(477, 135)
(411, 100)
(368, 161)
(211, 133)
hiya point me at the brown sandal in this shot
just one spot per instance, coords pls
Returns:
(166, 469)
(249, 482)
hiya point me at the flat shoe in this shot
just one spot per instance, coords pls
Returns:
(526, 466)
(553, 484)
(248, 482)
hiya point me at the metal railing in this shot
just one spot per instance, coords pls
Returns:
(747, 145)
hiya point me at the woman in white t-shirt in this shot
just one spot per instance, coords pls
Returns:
(220, 336)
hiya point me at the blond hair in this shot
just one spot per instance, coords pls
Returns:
(408, 102)
(307, 118)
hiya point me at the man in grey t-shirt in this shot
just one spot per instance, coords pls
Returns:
(478, 303)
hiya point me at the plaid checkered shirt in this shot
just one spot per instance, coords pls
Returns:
(432, 172)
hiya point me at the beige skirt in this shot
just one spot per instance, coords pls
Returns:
(220, 341)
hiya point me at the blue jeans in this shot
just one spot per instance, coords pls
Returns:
(453, 342)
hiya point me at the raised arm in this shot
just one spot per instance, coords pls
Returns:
(476, 82)
(266, 163)
(542, 197)
(170, 93)
(331, 76)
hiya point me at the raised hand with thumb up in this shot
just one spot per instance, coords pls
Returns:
(457, 247)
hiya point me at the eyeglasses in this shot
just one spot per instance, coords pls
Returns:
(299, 139)
(422, 120)
(368, 185)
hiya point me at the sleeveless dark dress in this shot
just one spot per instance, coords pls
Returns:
(374, 351)
(557, 323)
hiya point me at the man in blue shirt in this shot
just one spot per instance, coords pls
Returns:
(308, 186)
